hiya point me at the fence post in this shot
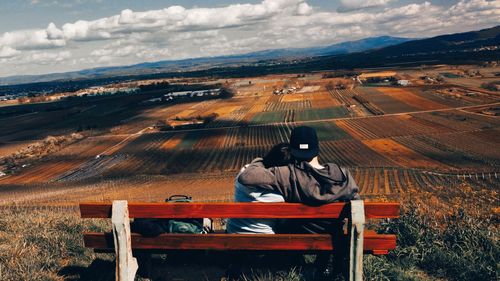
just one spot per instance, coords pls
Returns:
(356, 240)
(126, 264)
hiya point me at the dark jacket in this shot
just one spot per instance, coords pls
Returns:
(301, 183)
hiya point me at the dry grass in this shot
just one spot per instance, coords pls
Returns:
(44, 243)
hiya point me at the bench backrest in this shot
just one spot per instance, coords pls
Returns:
(373, 210)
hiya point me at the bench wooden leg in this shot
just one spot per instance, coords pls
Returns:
(126, 264)
(356, 228)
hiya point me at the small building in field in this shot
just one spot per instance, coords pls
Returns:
(403, 82)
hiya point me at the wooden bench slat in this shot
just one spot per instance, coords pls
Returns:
(302, 242)
(237, 210)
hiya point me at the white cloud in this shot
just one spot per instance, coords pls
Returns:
(7, 52)
(304, 9)
(351, 5)
(177, 32)
(49, 57)
(33, 39)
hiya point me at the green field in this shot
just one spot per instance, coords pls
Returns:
(268, 117)
(329, 131)
(323, 113)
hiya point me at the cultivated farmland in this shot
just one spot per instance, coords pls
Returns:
(398, 141)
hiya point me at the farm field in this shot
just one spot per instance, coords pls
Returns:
(422, 142)
(63, 161)
(410, 98)
(401, 154)
(385, 102)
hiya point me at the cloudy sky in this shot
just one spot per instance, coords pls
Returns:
(46, 36)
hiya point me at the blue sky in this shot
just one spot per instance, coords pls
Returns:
(44, 36)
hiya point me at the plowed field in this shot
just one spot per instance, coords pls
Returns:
(411, 99)
(401, 154)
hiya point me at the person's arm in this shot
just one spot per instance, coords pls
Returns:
(255, 174)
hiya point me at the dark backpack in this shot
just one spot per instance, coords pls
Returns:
(155, 227)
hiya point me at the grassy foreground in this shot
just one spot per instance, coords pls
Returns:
(46, 244)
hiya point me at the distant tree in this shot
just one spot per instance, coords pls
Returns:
(330, 86)
(226, 92)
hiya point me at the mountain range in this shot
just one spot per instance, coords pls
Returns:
(206, 62)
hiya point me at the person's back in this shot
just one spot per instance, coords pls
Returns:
(278, 155)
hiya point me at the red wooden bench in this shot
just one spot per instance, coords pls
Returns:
(121, 241)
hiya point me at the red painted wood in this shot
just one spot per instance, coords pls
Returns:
(380, 252)
(237, 210)
(301, 242)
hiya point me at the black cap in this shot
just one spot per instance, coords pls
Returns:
(304, 143)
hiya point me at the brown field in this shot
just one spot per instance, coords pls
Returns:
(293, 97)
(386, 103)
(225, 110)
(213, 140)
(323, 99)
(411, 99)
(377, 74)
(172, 142)
(185, 113)
(63, 161)
(401, 154)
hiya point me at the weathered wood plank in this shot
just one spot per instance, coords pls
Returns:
(237, 210)
(299, 242)
(126, 264)
(356, 234)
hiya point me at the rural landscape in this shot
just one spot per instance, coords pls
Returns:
(415, 121)
(418, 140)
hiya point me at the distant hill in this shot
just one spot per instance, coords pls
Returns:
(467, 47)
(207, 62)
